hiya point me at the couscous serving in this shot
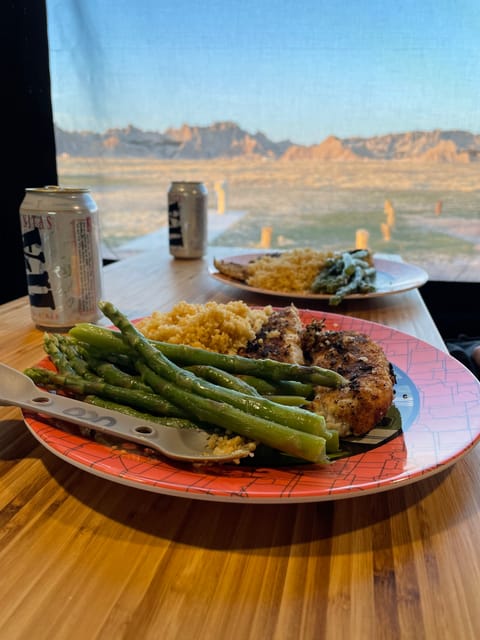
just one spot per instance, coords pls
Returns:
(220, 327)
(290, 271)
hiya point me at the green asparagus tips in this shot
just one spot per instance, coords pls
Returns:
(59, 359)
(344, 274)
(75, 359)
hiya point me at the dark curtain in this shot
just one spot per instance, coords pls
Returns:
(29, 151)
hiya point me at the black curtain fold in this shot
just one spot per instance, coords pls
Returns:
(29, 156)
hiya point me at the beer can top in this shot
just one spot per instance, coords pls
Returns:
(187, 182)
(188, 186)
(53, 188)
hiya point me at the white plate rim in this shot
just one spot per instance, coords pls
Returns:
(414, 277)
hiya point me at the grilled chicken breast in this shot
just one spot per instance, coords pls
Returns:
(240, 271)
(279, 338)
(233, 270)
(357, 407)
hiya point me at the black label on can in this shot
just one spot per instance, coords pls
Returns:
(37, 274)
(174, 225)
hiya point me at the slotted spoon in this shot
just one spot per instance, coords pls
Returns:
(190, 445)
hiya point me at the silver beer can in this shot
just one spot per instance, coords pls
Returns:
(187, 219)
(61, 244)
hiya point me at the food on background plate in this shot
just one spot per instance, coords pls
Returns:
(302, 271)
(276, 401)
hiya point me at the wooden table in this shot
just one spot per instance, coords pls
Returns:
(82, 557)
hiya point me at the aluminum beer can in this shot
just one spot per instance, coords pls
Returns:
(187, 219)
(61, 245)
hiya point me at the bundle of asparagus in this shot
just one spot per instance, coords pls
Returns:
(346, 273)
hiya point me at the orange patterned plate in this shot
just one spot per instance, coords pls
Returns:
(436, 397)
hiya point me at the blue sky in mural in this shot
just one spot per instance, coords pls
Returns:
(300, 70)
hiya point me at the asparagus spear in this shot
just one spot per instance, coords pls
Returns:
(149, 402)
(264, 387)
(230, 381)
(91, 353)
(281, 387)
(110, 372)
(223, 378)
(350, 272)
(108, 341)
(67, 350)
(289, 401)
(167, 421)
(59, 359)
(115, 376)
(356, 282)
(69, 359)
(289, 416)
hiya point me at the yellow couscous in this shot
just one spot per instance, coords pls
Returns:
(221, 327)
(293, 270)
(233, 444)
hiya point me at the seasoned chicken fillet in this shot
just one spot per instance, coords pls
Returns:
(279, 338)
(360, 405)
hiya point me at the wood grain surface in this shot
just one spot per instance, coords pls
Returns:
(82, 557)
